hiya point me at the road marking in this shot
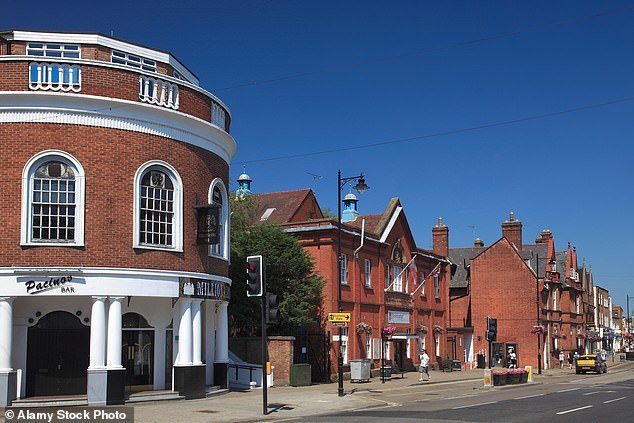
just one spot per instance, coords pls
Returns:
(530, 396)
(569, 390)
(593, 392)
(575, 409)
(474, 405)
(612, 400)
(461, 396)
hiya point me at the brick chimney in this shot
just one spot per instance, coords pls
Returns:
(477, 243)
(440, 236)
(512, 230)
(544, 237)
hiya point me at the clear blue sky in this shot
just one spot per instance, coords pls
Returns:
(335, 74)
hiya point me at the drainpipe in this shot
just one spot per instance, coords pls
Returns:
(356, 252)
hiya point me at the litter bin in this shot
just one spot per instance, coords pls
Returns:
(456, 365)
(386, 372)
(481, 361)
(360, 370)
(300, 375)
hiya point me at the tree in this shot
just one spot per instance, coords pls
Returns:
(290, 273)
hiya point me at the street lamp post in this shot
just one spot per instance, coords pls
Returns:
(360, 187)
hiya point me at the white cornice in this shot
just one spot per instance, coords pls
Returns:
(103, 64)
(106, 112)
(110, 271)
(74, 38)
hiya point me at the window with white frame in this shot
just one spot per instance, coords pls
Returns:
(70, 51)
(387, 275)
(158, 207)
(344, 345)
(387, 351)
(343, 269)
(218, 197)
(397, 278)
(133, 61)
(53, 200)
(368, 347)
(577, 306)
(376, 348)
(367, 272)
(422, 284)
(436, 287)
(555, 299)
(408, 352)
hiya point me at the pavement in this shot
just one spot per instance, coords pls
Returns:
(289, 403)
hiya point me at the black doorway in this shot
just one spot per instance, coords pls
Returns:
(57, 356)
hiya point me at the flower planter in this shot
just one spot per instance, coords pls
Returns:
(499, 379)
(524, 377)
(513, 378)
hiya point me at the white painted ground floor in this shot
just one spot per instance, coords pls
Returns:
(109, 332)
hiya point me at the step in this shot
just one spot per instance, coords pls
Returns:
(148, 396)
(213, 391)
(36, 402)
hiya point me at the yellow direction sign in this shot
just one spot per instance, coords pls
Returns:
(339, 317)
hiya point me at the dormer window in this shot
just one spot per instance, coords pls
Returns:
(68, 51)
(133, 61)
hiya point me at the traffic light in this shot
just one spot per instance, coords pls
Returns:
(272, 308)
(255, 276)
(492, 329)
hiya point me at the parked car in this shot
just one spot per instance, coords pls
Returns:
(591, 363)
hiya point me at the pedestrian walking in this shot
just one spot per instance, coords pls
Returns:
(424, 365)
(570, 359)
(561, 359)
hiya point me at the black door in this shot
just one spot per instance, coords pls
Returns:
(57, 356)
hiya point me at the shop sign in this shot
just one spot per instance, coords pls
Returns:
(40, 284)
(401, 317)
(207, 289)
(208, 224)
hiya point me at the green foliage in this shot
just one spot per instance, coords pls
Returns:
(290, 273)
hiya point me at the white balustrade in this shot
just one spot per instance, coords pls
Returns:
(156, 91)
(55, 77)
(218, 115)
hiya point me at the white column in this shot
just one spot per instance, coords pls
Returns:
(197, 333)
(114, 333)
(210, 339)
(6, 332)
(98, 333)
(185, 333)
(222, 333)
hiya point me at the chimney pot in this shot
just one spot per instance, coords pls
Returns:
(478, 243)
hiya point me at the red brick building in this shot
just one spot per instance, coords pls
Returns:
(381, 274)
(104, 287)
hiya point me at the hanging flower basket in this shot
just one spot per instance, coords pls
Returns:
(388, 331)
(363, 327)
(437, 330)
(422, 329)
(538, 329)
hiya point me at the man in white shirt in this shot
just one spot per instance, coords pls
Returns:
(424, 365)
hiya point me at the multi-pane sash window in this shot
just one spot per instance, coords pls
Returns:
(368, 347)
(436, 287)
(422, 283)
(133, 61)
(368, 273)
(217, 249)
(70, 51)
(157, 210)
(397, 273)
(53, 203)
(554, 299)
(343, 269)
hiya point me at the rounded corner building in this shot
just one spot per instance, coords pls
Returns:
(114, 252)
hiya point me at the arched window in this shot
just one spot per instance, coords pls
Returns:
(218, 196)
(53, 200)
(158, 198)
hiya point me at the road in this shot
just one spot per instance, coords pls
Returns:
(574, 398)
